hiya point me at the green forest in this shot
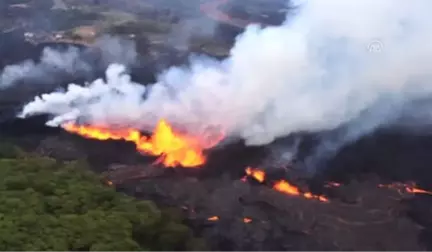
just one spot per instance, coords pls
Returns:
(46, 204)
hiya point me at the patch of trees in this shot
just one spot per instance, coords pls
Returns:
(48, 205)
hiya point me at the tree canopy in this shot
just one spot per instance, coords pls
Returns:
(50, 205)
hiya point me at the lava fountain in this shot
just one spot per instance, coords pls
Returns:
(174, 149)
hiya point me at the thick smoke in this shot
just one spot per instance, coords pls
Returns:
(116, 49)
(185, 31)
(71, 61)
(51, 60)
(337, 63)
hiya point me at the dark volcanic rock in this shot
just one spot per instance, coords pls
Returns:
(281, 222)
(360, 216)
(62, 150)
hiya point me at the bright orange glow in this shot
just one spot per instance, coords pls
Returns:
(174, 149)
(257, 174)
(322, 198)
(213, 218)
(282, 186)
(408, 187)
(417, 190)
(285, 187)
(247, 220)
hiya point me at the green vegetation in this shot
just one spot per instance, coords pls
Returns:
(68, 19)
(140, 27)
(209, 45)
(48, 205)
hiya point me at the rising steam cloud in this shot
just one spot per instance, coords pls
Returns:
(71, 61)
(335, 63)
(51, 60)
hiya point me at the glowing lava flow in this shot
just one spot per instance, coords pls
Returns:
(285, 187)
(409, 188)
(282, 186)
(258, 175)
(173, 149)
(213, 218)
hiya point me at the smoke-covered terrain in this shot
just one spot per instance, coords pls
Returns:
(356, 64)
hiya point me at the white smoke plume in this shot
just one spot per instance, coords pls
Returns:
(51, 60)
(71, 60)
(184, 32)
(116, 49)
(334, 63)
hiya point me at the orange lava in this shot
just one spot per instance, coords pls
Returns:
(213, 218)
(247, 220)
(282, 186)
(285, 187)
(408, 187)
(174, 149)
(257, 174)
(417, 190)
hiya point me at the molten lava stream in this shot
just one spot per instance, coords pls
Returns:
(213, 218)
(282, 186)
(257, 174)
(408, 187)
(285, 187)
(174, 149)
